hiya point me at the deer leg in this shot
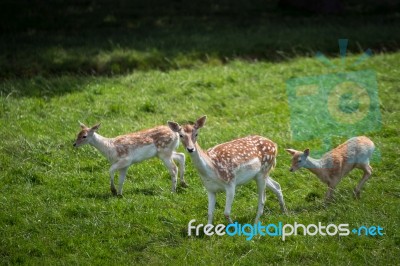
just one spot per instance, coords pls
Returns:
(122, 175)
(261, 183)
(329, 193)
(180, 157)
(112, 186)
(211, 206)
(367, 174)
(230, 194)
(173, 170)
(276, 188)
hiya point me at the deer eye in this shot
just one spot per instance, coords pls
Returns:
(84, 137)
(195, 135)
(180, 135)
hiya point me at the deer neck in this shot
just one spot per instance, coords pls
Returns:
(202, 161)
(315, 166)
(103, 145)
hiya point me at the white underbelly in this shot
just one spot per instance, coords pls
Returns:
(247, 172)
(245, 178)
(143, 153)
(243, 175)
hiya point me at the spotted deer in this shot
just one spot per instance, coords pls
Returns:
(337, 163)
(232, 164)
(125, 150)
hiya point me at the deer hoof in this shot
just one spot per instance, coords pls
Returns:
(356, 194)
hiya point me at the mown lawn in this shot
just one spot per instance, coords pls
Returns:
(133, 67)
(56, 207)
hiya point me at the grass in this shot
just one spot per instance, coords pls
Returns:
(132, 69)
(57, 207)
(176, 42)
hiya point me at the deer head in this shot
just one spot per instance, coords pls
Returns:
(85, 135)
(298, 158)
(188, 133)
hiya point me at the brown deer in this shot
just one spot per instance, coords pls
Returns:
(125, 150)
(335, 164)
(232, 164)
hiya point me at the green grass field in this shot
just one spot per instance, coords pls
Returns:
(55, 203)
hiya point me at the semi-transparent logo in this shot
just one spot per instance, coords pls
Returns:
(342, 103)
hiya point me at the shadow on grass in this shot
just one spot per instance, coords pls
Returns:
(146, 191)
(137, 191)
(100, 38)
(102, 43)
(315, 202)
(315, 207)
(44, 87)
(188, 42)
(100, 195)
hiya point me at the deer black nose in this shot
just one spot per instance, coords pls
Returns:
(190, 150)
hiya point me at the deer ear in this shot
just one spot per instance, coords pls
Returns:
(291, 151)
(200, 122)
(95, 127)
(307, 152)
(83, 126)
(174, 126)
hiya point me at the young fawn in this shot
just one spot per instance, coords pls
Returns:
(125, 150)
(335, 164)
(231, 164)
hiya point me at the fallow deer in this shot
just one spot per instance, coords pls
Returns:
(335, 164)
(125, 150)
(231, 164)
